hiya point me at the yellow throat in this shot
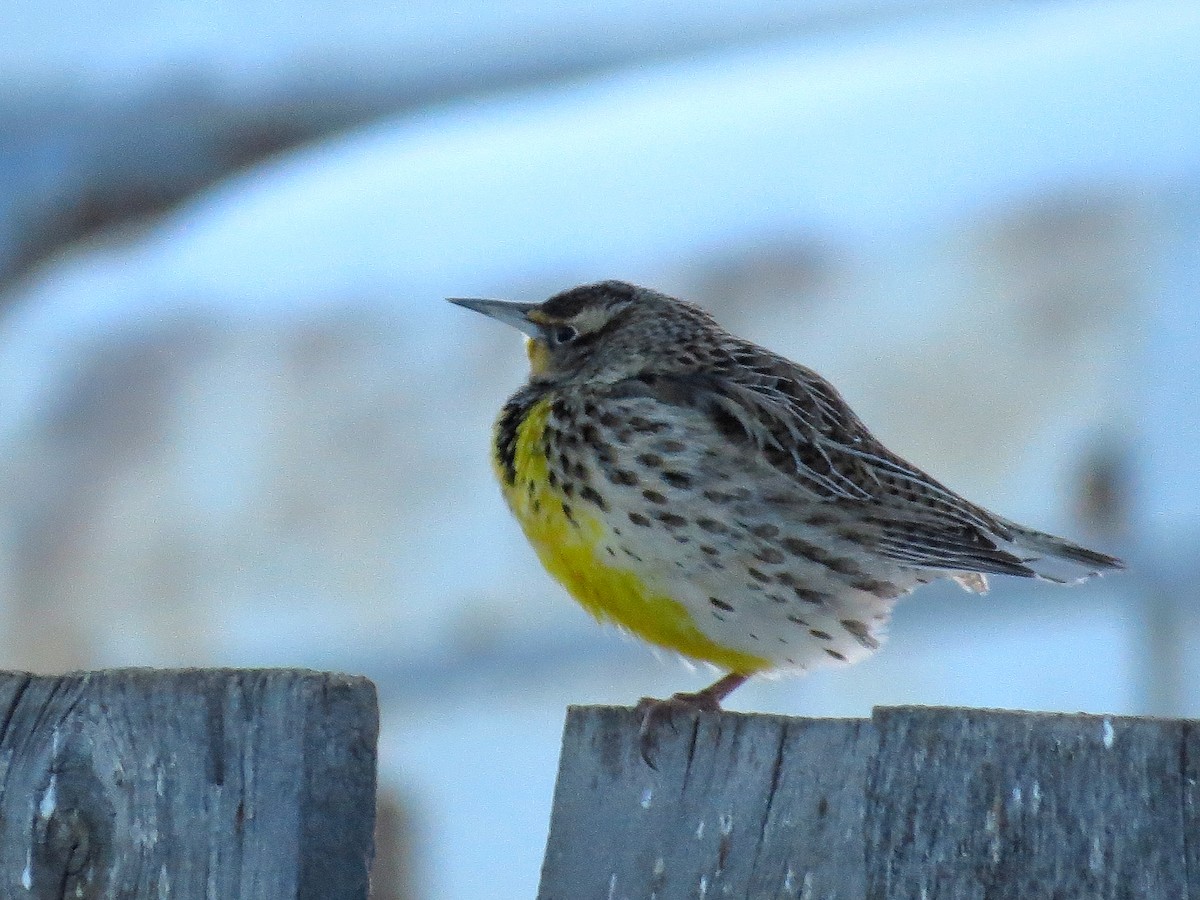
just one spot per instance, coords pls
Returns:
(539, 355)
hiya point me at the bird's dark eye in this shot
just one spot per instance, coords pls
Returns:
(563, 334)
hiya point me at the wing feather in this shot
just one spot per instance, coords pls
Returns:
(802, 427)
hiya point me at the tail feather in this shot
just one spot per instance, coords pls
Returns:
(1057, 559)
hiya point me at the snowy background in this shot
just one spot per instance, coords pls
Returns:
(238, 425)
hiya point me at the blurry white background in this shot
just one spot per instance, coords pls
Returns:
(239, 426)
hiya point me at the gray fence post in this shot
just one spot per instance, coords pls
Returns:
(192, 783)
(914, 804)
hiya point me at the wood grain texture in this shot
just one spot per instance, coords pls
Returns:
(915, 804)
(736, 808)
(1191, 806)
(969, 804)
(191, 783)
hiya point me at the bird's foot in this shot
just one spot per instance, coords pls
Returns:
(657, 714)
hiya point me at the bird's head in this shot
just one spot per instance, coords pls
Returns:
(603, 332)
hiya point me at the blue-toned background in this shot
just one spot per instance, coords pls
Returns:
(239, 426)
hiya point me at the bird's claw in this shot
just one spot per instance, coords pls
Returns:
(656, 714)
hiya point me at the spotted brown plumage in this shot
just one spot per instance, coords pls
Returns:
(722, 501)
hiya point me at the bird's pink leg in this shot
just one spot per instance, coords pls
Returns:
(656, 713)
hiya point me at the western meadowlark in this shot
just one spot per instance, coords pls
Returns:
(721, 501)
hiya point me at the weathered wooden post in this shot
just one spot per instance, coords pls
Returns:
(914, 804)
(192, 783)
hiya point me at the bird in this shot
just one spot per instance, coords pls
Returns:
(723, 502)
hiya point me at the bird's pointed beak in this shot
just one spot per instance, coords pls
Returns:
(507, 311)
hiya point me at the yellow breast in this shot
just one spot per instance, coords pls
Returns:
(571, 547)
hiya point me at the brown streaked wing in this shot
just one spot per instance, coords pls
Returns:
(803, 428)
